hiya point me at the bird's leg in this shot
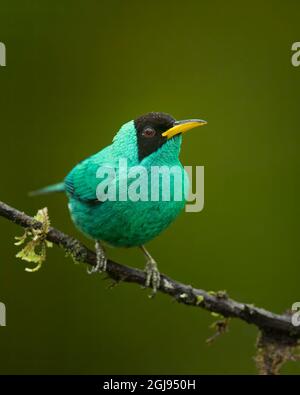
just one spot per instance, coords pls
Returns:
(152, 273)
(101, 259)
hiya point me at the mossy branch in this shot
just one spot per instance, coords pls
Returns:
(278, 329)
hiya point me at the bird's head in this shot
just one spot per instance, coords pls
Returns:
(153, 133)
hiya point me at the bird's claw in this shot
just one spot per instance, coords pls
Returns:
(152, 276)
(100, 266)
(101, 260)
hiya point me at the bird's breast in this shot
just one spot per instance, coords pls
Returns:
(153, 199)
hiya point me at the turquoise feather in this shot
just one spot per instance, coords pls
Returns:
(123, 223)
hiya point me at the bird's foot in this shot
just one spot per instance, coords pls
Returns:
(152, 275)
(101, 260)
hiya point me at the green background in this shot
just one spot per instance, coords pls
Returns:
(76, 71)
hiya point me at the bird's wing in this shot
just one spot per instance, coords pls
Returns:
(81, 183)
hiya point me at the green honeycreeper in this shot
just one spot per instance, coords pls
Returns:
(153, 139)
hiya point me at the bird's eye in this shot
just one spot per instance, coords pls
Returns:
(148, 132)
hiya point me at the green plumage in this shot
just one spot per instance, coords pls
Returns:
(145, 202)
(151, 140)
(122, 223)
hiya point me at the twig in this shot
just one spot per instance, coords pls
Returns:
(277, 326)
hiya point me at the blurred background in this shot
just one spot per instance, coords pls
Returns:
(75, 72)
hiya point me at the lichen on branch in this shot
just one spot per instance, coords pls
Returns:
(35, 249)
(282, 336)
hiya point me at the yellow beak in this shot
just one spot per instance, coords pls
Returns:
(183, 126)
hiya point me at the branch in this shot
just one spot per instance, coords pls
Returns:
(277, 327)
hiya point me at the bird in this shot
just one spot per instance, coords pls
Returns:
(152, 140)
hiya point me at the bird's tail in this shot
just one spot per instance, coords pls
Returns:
(60, 187)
